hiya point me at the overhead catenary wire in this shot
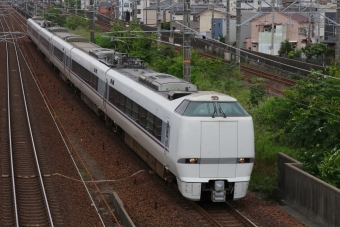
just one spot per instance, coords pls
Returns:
(266, 59)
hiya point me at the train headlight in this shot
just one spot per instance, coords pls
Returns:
(191, 160)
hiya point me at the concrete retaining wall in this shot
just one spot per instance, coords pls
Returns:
(314, 198)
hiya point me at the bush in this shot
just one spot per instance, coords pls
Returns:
(285, 47)
(291, 54)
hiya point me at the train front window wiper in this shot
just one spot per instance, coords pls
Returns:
(215, 111)
(221, 111)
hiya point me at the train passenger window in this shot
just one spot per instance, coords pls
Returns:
(158, 128)
(116, 95)
(122, 100)
(111, 95)
(128, 107)
(45, 42)
(150, 123)
(75, 67)
(135, 108)
(181, 108)
(142, 116)
(58, 53)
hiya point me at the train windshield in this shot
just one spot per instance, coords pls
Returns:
(211, 109)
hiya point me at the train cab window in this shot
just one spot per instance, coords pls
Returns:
(216, 109)
(181, 108)
(200, 109)
(232, 109)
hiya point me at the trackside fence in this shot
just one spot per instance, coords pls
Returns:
(309, 195)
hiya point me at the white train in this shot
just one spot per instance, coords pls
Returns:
(203, 139)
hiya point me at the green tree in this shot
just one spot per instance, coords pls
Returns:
(257, 91)
(165, 25)
(74, 22)
(285, 47)
(54, 14)
(72, 3)
(221, 38)
(316, 49)
(308, 119)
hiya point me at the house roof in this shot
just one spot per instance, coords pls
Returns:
(104, 4)
(178, 8)
(298, 17)
(208, 8)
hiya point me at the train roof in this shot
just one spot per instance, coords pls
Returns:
(166, 85)
(207, 96)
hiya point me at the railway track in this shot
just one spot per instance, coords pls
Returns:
(24, 187)
(259, 73)
(104, 26)
(222, 214)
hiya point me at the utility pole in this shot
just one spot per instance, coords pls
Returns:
(318, 23)
(212, 22)
(273, 26)
(122, 10)
(337, 45)
(238, 30)
(227, 36)
(171, 22)
(146, 13)
(26, 9)
(135, 11)
(159, 27)
(187, 41)
(309, 24)
(117, 10)
(92, 21)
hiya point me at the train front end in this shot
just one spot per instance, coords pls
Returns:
(215, 148)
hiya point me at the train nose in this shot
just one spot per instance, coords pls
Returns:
(219, 149)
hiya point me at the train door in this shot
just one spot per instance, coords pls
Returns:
(218, 149)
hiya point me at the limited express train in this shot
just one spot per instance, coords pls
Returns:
(202, 139)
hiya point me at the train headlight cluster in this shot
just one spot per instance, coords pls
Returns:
(244, 160)
(191, 160)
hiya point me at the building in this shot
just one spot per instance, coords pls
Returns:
(103, 8)
(292, 27)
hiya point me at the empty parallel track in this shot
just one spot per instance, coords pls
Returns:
(24, 198)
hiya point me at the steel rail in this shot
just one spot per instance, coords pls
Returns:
(31, 137)
(10, 138)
